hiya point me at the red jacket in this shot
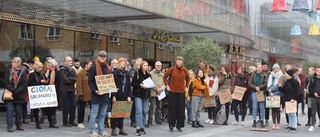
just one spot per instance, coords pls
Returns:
(302, 78)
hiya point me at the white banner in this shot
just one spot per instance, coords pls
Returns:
(42, 96)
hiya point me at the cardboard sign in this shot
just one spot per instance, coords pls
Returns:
(273, 102)
(121, 109)
(42, 96)
(105, 83)
(225, 96)
(238, 93)
(260, 96)
(209, 102)
(291, 107)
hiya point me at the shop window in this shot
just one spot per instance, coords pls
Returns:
(159, 46)
(54, 34)
(25, 32)
(131, 41)
(114, 39)
(171, 48)
(95, 37)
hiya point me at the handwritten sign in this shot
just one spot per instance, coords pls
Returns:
(105, 83)
(121, 109)
(209, 102)
(260, 96)
(238, 93)
(291, 107)
(225, 96)
(42, 96)
(273, 102)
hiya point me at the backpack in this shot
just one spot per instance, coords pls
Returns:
(191, 88)
(221, 116)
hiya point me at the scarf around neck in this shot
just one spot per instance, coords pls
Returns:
(275, 76)
(99, 65)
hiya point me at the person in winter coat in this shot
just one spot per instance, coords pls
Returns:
(290, 91)
(314, 88)
(142, 95)
(188, 97)
(312, 74)
(213, 83)
(15, 81)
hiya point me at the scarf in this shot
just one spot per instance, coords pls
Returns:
(99, 65)
(276, 77)
(210, 74)
(14, 75)
(52, 76)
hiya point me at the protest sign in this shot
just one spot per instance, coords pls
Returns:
(105, 83)
(238, 93)
(260, 96)
(121, 109)
(209, 102)
(42, 96)
(225, 96)
(273, 102)
(291, 107)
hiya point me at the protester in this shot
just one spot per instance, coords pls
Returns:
(291, 91)
(312, 73)
(265, 69)
(114, 64)
(177, 88)
(252, 69)
(258, 83)
(122, 81)
(99, 100)
(68, 78)
(155, 103)
(188, 97)
(53, 76)
(200, 90)
(213, 85)
(76, 65)
(241, 80)
(314, 88)
(141, 94)
(203, 67)
(302, 78)
(83, 91)
(25, 67)
(136, 67)
(15, 81)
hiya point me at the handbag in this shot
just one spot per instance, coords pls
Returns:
(7, 95)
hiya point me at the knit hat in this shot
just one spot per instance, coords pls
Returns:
(26, 65)
(290, 72)
(121, 59)
(276, 66)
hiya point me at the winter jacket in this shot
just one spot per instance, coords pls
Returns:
(178, 79)
(157, 79)
(136, 81)
(122, 80)
(314, 86)
(95, 98)
(242, 81)
(290, 89)
(226, 82)
(19, 92)
(263, 84)
(68, 77)
(83, 88)
(200, 88)
(212, 89)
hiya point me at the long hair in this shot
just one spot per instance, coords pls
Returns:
(202, 78)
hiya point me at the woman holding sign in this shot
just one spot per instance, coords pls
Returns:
(122, 81)
(38, 78)
(142, 94)
(258, 83)
(212, 81)
(273, 89)
(290, 91)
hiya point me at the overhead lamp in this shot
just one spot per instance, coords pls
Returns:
(295, 31)
(314, 30)
(279, 6)
(300, 5)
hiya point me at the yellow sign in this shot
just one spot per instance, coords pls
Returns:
(105, 83)
(164, 36)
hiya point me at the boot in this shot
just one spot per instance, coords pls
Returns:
(114, 132)
(10, 129)
(214, 121)
(121, 132)
(194, 125)
(262, 124)
(20, 128)
(51, 125)
(38, 125)
(254, 123)
(199, 124)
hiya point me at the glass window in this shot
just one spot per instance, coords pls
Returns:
(25, 32)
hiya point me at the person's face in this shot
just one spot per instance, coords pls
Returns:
(259, 68)
(123, 64)
(311, 72)
(299, 71)
(149, 68)
(68, 61)
(31, 66)
(15, 64)
(102, 58)
(318, 72)
(158, 67)
(179, 62)
(239, 70)
(145, 67)
(223, 70)
(49, 65)
(275, 70)
(38, 68)
(76, 64)
(88, 66)
(264, 67)
(200, 74)
(288, 67)
(202, 65)
(114, 64)
(163, 71)
(191, 75)
(23, 67)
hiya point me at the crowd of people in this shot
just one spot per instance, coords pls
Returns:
(76, 88)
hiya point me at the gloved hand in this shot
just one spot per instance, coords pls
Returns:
(80, 98)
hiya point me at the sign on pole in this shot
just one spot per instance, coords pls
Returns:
(105, 83)
(42, 96)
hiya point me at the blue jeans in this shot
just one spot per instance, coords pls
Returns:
(98, 110)
(293, 121)
(255, 104)
(14, 107)
(189, 110)
(142, 106)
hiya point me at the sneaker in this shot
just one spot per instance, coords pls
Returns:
(311, 129)
(80, 125)
(235, 123)
(142, 131)
(242, 123)
(138, 132)
(207, 121)
(104, 134)
(94, 134)
(292, 130)
(286, 128)
(211, 122)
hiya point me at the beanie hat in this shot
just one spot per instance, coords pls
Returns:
(276, 66)
(121, 59)
(26, 65)
(290, 72)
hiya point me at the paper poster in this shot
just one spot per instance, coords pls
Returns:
(42, 96)
(162, 95)
(291, 107)
(260, 96)
(105, 83)
(209, 102)
(238, 93)
(121, 109)
(273, 102)
(148, 83)
(225, 96)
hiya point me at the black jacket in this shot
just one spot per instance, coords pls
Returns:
(95, 98)
(290, 89)
(35, 79)
(119, 76)
(137, 79)
(19, 92)
(314, 86)
(68, 77)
